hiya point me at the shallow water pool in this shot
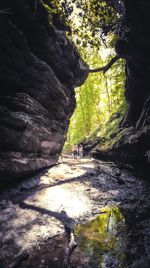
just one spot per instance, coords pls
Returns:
(102, 241)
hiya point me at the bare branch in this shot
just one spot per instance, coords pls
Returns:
(103, 69)
(106, 67)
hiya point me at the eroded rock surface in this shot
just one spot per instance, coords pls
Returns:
(39, 69)
(134, 145)
(35, 213)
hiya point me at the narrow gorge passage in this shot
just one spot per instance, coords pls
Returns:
(76, 194)
(74, 79)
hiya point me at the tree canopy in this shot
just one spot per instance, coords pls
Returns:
(94, 26)
(101, 96)
(90, 20)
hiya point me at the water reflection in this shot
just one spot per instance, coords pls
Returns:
(102, 241)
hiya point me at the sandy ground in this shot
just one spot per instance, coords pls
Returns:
(33, 213)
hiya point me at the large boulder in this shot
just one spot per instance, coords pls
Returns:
(38, 72)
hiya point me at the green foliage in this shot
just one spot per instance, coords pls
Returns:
(90, 21)
(91, 24)
(99, 98)
(110, 132)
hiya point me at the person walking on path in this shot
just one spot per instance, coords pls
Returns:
(81, 152)
(75, 151)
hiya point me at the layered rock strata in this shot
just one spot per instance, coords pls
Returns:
(39, 68)
(134, 145)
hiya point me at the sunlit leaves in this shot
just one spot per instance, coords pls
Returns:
(98, 98)
(89, 20)
(93, 24)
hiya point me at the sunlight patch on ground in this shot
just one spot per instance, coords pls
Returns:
(40, 215)
(71, 169)
(25, 228)
(30, 226)
(63, 197)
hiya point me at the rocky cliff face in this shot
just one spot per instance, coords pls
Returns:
(38, 72)
(134, 144)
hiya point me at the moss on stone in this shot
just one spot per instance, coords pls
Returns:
(111, 132)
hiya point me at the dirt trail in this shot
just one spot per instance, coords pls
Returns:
(33, 213)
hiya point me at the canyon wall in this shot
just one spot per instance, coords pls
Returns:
(133, 146)
(39, 69)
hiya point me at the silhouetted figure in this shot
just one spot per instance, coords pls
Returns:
(81, 151)
(75, 151)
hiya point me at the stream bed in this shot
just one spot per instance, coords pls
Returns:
(107, 207)
(102, 241)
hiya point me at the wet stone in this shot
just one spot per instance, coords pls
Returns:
(111, 224)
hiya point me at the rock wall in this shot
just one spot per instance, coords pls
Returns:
(134, 145)
(38, 72)
(137, 54)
